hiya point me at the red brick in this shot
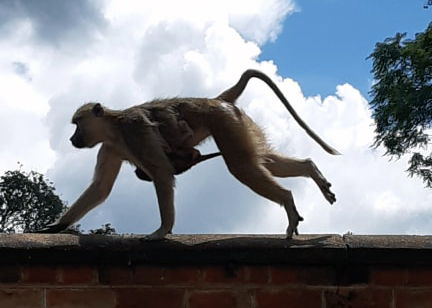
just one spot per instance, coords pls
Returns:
(10, 274)
(286, 275)
(222, 276)
(115, 275)
(181, 275)
(245, 298)
(150, 297)
(305, 275)
(319, 276)
(212, 299)
(419, 277)
(358, 298)
(413, 298)
(389, 277)
(40, 274)
(292, 298)
(22, 298)
(78, 275)
(148, 275)
(77, 298)
(257, 275)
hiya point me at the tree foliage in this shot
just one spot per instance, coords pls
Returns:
(105, 229)
(402, 99)
(27, 202)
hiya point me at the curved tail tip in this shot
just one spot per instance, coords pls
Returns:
(330, 150)
(335, 152)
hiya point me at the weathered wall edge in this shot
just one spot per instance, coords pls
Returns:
(347, 250)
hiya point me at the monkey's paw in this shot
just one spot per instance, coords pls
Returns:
(158, 235)
(325, 189)
(292, 228)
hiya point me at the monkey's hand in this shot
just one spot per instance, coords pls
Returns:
(53, 228)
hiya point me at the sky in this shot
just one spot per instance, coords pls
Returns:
(57, 55)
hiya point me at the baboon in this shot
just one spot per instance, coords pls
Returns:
(135, 135)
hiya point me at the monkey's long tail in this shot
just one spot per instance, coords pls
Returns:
(234, 92)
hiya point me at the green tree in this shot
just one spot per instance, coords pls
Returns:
(104, 229)
(27, 202)
(402, 99)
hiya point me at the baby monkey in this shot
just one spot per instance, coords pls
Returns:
(176, 132)
(181, 160)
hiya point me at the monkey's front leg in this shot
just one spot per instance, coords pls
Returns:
(164, 186)
(107, 168)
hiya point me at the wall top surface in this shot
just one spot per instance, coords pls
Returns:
(213, 249)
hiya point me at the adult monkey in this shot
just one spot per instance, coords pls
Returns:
(131, 135)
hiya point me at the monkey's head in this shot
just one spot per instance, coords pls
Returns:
(90, 126)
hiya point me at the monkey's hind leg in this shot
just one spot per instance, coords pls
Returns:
(259, 179)
(283, 166)
(239, 150)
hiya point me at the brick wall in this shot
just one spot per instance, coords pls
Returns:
(47, 271)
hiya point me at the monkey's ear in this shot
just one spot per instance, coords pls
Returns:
(98, 110)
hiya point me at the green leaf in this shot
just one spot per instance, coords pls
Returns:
(402, 98)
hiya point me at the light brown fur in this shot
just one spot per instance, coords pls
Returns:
(146, 135)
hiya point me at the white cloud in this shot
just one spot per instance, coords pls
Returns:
(22, 133)
(52, 22)
(141, 50)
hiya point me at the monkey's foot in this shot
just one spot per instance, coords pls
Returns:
(324, 186)
(292, 227)
(158, 235)
(328, 194)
